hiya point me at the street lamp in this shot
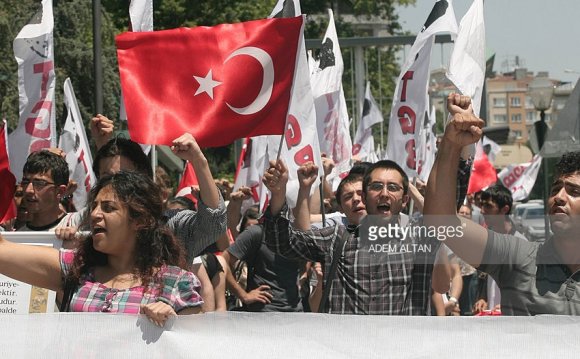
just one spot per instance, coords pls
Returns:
(541, 91)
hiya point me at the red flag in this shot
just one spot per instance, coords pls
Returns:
(483, 174)
(219, 83)
(7, 205)
(188, 179)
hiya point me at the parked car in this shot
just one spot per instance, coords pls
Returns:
(518, 210)
(532, 223)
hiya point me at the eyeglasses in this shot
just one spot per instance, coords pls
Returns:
(378, 187)
(37, 184)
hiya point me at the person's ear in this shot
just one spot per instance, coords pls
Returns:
(504, 210)
(61, 191)
(405, 199)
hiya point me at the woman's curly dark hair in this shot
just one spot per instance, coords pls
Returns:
(155, 244)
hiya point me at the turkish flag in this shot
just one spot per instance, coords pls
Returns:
(483, 174)
(7, 205)
(218, 83)
(188, 179)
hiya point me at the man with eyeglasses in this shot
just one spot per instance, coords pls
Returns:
(44, 182)
(397, 283)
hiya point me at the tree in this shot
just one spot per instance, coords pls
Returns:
(73, 51)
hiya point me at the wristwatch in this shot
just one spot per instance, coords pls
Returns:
(453, 300)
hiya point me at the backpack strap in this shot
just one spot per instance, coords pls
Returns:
(336, 254)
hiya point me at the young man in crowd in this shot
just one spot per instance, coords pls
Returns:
(534, 278)
(272, 279)
(496, 205)
(364, 282)
(44, 182)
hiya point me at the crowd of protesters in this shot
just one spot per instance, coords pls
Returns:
(137, 249)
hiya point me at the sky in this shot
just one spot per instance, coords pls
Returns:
(544, 34)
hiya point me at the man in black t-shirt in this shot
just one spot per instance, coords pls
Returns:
(272, 279)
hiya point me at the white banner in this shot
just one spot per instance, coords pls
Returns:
(34, 52)
(300, 137)
(287, 335)
(21, 298)
(331, 112)
(410, 100)
(520, 179)
(73, 141)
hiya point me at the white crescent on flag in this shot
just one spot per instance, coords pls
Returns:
(267, 80)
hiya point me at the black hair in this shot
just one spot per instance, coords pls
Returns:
(352, 177)
(500, 195)
(183, 201)
(123, 147)
(387, 165)
(156, 244)
(252, 212)
(568, 164)
(360, 168)
(44, 161)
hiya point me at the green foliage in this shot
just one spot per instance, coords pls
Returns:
(13, 15)
(73, 42)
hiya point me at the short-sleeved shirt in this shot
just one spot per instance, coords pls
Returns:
(268, 268)
(179, 289)
(531, 275)
(198, 229)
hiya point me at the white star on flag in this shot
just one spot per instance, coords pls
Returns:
(206, 84)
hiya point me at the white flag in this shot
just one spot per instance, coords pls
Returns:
(286, 8)
(300, 136)
(427, 146)
(73, 141)
(331, 112)
(34, 52)
(364, 143)
(494, 148)
(141, 14)
(520, 179)
(410, 100)
(467, 63)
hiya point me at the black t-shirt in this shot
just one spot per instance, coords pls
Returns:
(269, 268)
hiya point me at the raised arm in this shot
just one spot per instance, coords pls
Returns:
(276, 179)
(35, 265)
(440, 200)
(234, 208)
(307, 174)
(294, 244)
(101, 130)
(185, 147)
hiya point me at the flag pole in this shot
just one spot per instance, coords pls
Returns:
(97, 54)
(153, 159)
(411, 202)
(280, 146)
(322, 201)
